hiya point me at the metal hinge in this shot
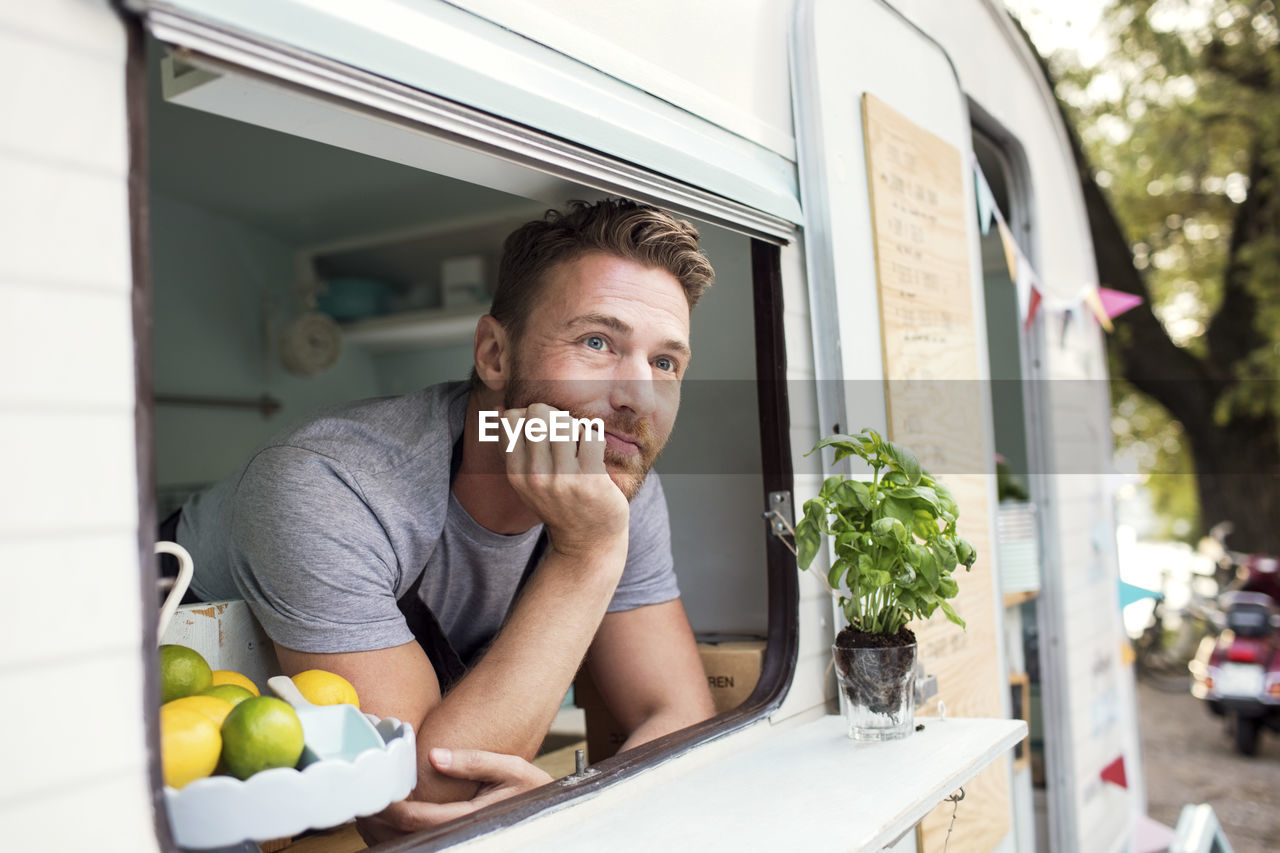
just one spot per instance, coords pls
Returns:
(781, 517)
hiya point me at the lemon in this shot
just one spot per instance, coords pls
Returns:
(189, 745)
(211, 706)
(182, 672)
(258, 734)
(233, 693)
(227, 676)
(325, 688)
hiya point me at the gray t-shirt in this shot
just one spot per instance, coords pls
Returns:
(326, 527)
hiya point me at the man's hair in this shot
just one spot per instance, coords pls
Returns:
(626, 229)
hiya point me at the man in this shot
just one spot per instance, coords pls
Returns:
(458, 581)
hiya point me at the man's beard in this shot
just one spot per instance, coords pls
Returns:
(628, 471)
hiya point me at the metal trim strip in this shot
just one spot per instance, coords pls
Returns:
(234, 52)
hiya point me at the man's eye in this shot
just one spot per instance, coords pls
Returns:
(595, 342)
(665, 364)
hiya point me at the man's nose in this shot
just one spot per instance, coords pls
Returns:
(633, 387)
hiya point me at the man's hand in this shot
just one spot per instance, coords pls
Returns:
(567, 485)
(502, 776)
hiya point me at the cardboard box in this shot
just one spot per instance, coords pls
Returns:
(732, 667)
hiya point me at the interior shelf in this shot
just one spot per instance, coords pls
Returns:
(414, 329)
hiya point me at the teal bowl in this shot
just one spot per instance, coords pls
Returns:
(354, 298)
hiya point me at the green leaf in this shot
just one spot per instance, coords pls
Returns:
(837, 573)
(845, 445)
(896, 478)
(829, 486)
(946, 554)
(847, 543)
(928, 568)
(898, 509)
(928, 495)
(854, 493)
(924, 524)
(948, 588)
(905, 460)
(889, 530)
(875, 578)
(952, 615)
(808, 540)
(965, 553)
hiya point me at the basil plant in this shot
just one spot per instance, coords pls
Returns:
(895, 537)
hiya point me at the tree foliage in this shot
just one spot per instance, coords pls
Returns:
(1180, 133)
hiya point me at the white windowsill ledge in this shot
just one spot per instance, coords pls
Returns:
(804, 788)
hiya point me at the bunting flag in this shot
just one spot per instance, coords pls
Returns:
(1032, 295)
(1011, 251)
(1116, 302)
(987, 209)
(1094, 301)
(1032, 308)
(1114, 773)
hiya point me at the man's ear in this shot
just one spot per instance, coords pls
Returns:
(491, 353)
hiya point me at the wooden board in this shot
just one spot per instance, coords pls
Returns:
(931, 362)
(228, 636)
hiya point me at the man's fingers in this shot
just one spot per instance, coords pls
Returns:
(591, 451)
(564, 453)
(479, 765)
(412, 816)
(538, 419)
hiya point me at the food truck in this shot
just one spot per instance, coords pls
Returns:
(223, 214)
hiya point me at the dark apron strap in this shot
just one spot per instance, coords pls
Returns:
(430, 636)
(426, 628)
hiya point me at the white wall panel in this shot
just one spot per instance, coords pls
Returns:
(64, 225)
(51, 109)
(82, 360)
(63, 602)
(71, 661)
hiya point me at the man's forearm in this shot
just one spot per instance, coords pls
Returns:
(507, 702)
(663, 722)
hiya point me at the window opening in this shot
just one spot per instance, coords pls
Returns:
(289, 274)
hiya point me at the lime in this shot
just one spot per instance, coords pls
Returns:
(211, 706)
(233, 693)
(325, 688)
(182, 672)
(258, 734)
(227, 676)
(189, 745)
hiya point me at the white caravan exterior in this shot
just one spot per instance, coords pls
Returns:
(747, 116)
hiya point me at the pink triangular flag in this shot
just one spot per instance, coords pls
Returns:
(1116, 302)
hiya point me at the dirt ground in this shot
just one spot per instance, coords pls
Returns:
(1187, 758)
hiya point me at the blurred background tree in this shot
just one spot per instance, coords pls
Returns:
(1179, 151)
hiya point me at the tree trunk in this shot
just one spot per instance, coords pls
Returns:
(1236, 480)
(1237, 464)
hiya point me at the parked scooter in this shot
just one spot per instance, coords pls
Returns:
(1238, 673)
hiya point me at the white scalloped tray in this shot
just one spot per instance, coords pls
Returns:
(221, 810)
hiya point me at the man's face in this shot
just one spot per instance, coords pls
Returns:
(609, 339)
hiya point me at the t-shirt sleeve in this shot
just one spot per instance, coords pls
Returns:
(649, 576)
(311, 559)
